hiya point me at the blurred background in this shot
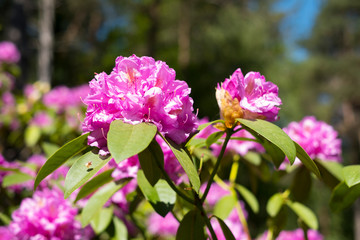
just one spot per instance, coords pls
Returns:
(309, 48)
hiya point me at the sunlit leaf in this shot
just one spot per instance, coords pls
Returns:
(304, 213)
(32, 135)
(102, 219)
(16, 178)
(351, 175)
(306, 160)
(248, 197)
(343, 196)
(273, 134)
(97, 201)
(213, 138)
(121, 232)
(186, 163)
(274, 204)
(126, 140)
(82, 170)
(224, 206)
(67, 151)
(95, 183)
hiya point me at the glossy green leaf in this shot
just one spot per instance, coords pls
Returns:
(351, 175)
(16, 178)
(186, 163)
(276, 155)
(213, 138)
(224, 206)
(253, 158)
(126, 140)
(306, 160)
(196, 143)
(248, 197)
(149, 160)
(331, 172)
(304, 213)
(67, 151)
(191, 227)
(273, 134)
(225, 229)
(161, 197)
(102, 219)
(343, 196)
(274, 204)
(121, 232)
(32, 135)
(97, 201)
(94, 184)
(82, 170)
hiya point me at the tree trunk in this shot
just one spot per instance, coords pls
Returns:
(46, 39)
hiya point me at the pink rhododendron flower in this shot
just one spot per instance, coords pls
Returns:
(41, 119)
(9, 52)
(248, 97)
(6, 234)
(297, 234)
(47, 215)
(139, 90)
(120, 196)
(162, 226)
(318, 139)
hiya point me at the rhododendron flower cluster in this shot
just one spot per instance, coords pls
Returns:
(47, 215)
(318, 139)
(248, 97)
(62, 97)
(139, 90)
(9, 52)
(297, 234)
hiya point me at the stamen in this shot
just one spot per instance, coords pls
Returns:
(103, 133)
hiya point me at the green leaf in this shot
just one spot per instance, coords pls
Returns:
(102, 219)
(82, 170)
(226, 231)
(273, 134)
(274, 204)
(301, 184)
(67, 151)
(248, 197)
(161, 197)
(304, 213)
(121, 232)
(196, 143)
(186, 163)
(224, 206)
(306, 160)
(342, 196)
(253, 158)
(276, 155)
(202, 126)
(213, 138)
(16, 178)
(351, 175)
(97, 201)
(95, 183)
(6, 169)
(149, 160)
(191, 227)
(49, 148)
(126, 140)
(5, 219)
(331, 172)
(32, 135)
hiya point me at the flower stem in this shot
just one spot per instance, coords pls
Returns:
(217, 164)
(199, 205)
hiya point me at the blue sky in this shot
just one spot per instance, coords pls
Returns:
(297, 24)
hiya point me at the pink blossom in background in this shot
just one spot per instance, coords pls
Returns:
(9, 52)
(297, 234)
(125, 169)
(41, 119)
(318, 139)
(234, 224)
(6, 234)
(162, 226)
(47, 215)
(62, 97)
(248, 97)
(120, 196)
(139, 90)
